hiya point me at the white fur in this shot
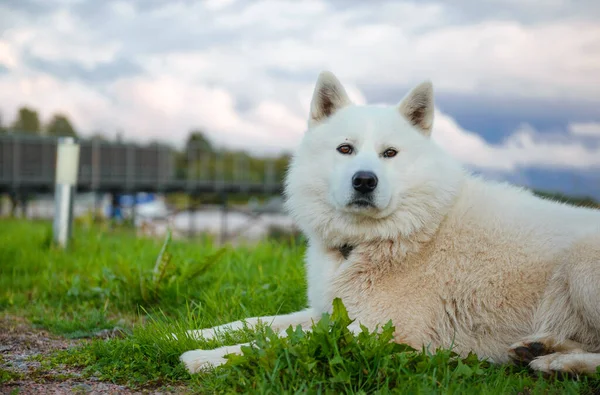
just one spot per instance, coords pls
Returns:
(451, 259)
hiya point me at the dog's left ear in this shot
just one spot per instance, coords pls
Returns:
(328, 97)
(417, 107)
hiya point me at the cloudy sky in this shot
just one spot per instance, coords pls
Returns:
(517, 82)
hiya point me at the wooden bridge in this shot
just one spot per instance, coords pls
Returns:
(27, 165)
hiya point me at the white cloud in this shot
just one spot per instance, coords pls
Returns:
(84, 105)
(8, 56)
(245, 72)
(59, 37)
(523, 148)
(585, 129)
(218, 4)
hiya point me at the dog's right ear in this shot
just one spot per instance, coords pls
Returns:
(328, 97)
(417, 107)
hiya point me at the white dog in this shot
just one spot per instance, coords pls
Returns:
(398, 230)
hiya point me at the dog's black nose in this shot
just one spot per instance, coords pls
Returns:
(364, 181)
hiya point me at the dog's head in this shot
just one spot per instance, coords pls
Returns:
(368, 171)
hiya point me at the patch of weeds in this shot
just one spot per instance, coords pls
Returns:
(47, 241)
(167, 277)
(82, 322)
(8, 376)
(52, 368)
(139, 364)
(149, 358)
(69, 357)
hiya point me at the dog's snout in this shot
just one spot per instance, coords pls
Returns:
(364, 181)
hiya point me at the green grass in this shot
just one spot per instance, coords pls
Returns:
(110, 278)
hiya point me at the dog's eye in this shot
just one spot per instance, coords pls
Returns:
(345, 149)
(389, 153)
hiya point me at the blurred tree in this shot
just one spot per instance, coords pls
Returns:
(27, 121)
(281, 165)
(60, 126)
(160, 144)
(181, 165)
(98, 136)
(2, 127)
(228, 165)
(198, 140)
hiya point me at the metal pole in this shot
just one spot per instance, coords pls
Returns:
(224, 213)
(16, 168)
(130, 168)
(219, 170)
(192, 167)
(23, 201)
(97, 205)
(12, 195)
(67, 166)
(45, 170)
(193, 200)
(95, 179)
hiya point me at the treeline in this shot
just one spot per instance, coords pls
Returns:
(28, 121)
(198, 155)
(205, 161)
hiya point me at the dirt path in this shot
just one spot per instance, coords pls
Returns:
(20, 375)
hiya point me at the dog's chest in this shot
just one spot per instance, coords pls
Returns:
(365, 286)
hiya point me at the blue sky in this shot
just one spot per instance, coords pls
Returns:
(517, 82)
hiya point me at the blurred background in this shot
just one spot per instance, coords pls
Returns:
(221, 88)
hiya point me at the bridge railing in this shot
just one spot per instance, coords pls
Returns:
(28, 163)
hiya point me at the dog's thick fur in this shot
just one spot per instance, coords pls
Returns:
(451, 259)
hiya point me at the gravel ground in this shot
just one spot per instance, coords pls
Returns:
(19, 341)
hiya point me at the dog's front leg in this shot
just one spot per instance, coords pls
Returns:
(276, 322)
(197, 360)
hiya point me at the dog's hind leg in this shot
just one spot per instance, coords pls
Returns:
(567, 323)
(573, 363)
(536, 346)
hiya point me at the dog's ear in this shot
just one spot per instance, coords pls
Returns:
(417, 107)
(328, 97)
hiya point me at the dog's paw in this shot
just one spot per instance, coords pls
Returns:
(531, 348)
(523, 353)
(572, 363)
(198, 360)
